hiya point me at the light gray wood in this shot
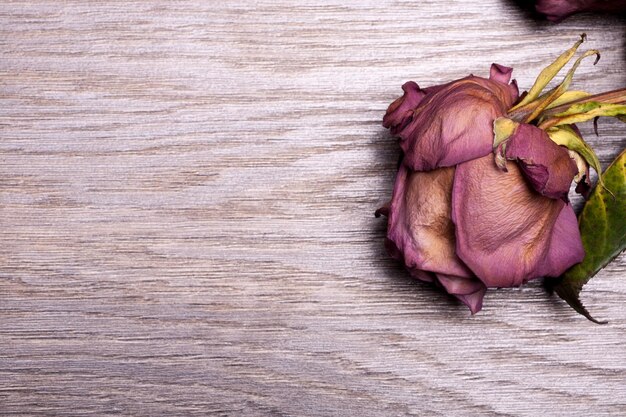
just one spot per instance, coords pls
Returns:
(187, 192)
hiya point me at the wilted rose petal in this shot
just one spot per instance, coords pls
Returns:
(400, 112)
(469, 291)
(566, 247)
(557, 10)
(422, 275)
(453, 122)
(419, 222)
(421, 233)
(546, 165)
(505, 230)
(500, 73)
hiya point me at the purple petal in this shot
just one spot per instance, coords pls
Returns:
(547, 166)
(421, 233)
(469, 291)
(454, 123)
(500, 73)
(507, 233)
(419, 222)
(557, 10)
(422, 275)
(400, 112)
(566, 248)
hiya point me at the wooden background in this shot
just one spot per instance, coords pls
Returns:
(187, 192)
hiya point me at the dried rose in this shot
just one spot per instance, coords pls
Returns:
(460, 216)
(557, 10)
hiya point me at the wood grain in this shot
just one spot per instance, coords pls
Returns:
(186, 215)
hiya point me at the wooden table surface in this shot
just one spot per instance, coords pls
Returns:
(187, 192)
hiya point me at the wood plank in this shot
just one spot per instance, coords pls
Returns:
(186, 215)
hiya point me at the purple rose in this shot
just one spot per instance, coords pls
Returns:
(557, 10)
(455, 217)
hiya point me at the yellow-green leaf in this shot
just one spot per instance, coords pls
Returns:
(582, 112)
(566, 136)
(602, 225)
(549, 72)
(530, 111)
(568, 97)
(503, 129)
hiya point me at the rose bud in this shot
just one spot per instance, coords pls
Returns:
(557, 10)
(480, 199)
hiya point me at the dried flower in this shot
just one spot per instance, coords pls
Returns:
(557, 10)
(480, 198)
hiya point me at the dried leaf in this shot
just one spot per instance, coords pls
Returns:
(582, 112)
(548, 73)
(566, 136)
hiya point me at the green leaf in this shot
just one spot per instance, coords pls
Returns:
(603, 231)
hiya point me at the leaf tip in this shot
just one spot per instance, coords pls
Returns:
(571, 296)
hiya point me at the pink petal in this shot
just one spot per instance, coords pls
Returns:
(507, 233)
(500, 73)
(546, 165)
(400, 112)
(557, 10)
(454, 123)
(422, 275)
(421, 233)
(566, 248)
(419, 222)
(469, 291)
